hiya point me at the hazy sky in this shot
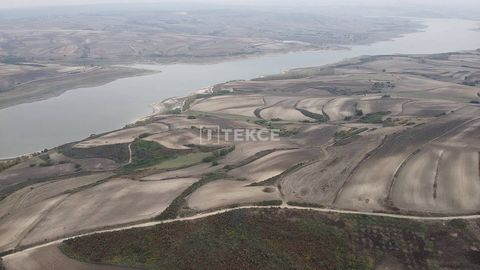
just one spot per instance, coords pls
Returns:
(31, 3)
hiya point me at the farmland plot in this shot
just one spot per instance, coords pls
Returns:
(123, 136)
(115, 202)
(368, 187)
(224, 193)
(339, 108)
(273, 164)
(50, 258)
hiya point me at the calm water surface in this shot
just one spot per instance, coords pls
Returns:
(76, 114)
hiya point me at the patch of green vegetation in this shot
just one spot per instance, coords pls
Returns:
(213, 94)
(218, 154)
(240, 239)
(46, 160)
(374, 118)
(316, 116)
(457, 224)
(344, 137)
(282, 132)
(277, 238)
(377, 86)
(5, 164)
(287, 132)
(264, 123)
(115, 152)
(144, 135)
(78, 167)
(148, 153)
(174, 111)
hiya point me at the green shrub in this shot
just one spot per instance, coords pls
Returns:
(374, 118)
(457, 224)
(175, 111)
(148, 153)
(209, 159)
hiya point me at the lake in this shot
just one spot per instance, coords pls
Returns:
(78, 113)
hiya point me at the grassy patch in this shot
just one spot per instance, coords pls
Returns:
(148, 153)
(115, 152)
(373, 118)
(316, 116)
(218, 154)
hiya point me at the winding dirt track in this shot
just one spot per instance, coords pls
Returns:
(204, 215)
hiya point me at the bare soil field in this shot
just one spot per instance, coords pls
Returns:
(222, 103)
(193, 171)
(284, 110)
(339, 108)
(176, 139)
(37, 193)
(416, 186)
(51, 258)
(319, 182)
(458, 182)
(373, 105)
(315, 135)
(429, 108)
(315, 105)
(183, 122)
(223, 193)
(245, 150)
(23, 172)
(368, 187)
(14, 227)
(114, 202)
(273, 164)
(467, 137)
(123, 136)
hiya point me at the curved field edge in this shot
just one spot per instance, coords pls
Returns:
(249, 238)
